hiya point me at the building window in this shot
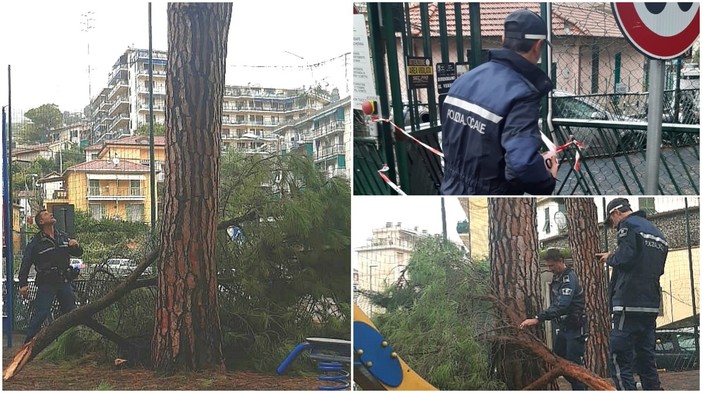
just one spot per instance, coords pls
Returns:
(98, 211)
(135, 212)
(648, 205)
(547, 225)
(93, 187)
(135, 187)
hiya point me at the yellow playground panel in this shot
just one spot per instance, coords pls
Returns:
(376, 365)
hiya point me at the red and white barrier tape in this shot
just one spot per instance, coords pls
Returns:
(551, 146)
(431, 149)
(388, 181)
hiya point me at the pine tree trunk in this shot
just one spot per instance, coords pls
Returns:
(514, 265)
(187, 335)
(582, 235)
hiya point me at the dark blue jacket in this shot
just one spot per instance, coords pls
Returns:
(490, 132)
(567, 300)
(47, 255)
(638, 262)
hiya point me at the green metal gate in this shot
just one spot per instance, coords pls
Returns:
(404, 33)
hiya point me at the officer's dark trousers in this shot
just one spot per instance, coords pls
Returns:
(46, 293)
(570, 344)
(632, 345)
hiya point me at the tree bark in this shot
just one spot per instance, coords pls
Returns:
(583, 235)
(187, 333)
(514, 265)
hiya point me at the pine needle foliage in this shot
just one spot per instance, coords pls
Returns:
(289, 277)
(434, 314)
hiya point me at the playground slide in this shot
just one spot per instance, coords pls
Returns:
(376, 365)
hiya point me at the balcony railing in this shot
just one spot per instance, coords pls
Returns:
(246, 108)
(119, 118)
(115, 193)
(60, 194)
(121, 85)
(236, 122)
(155, 73)
(327, 129)
(120, 101)
(330, 151)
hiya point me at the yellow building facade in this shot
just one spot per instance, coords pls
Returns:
(108, 189)
(477, 238)
(676, 299)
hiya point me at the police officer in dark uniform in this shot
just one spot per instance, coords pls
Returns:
(634, 295)
(489, 120)
(567, 311)
(50, 252)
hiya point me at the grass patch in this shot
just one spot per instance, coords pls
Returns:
(104, 386)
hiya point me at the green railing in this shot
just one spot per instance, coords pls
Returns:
(614, 162)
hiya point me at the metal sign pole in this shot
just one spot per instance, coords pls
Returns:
(7, 201)
(655, 122)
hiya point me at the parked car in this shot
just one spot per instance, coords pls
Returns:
(598, 141)
(675, 349)
(77, 263)
(124, 266)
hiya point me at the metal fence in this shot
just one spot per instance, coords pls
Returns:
(139, 303)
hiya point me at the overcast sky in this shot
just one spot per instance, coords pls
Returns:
(44, 43)
(424, 212)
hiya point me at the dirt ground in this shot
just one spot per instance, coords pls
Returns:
(670, 380)
(87, 375)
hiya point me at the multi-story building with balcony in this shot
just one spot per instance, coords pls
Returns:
(134, 148)
(382, 260)
(249, 113)
(325, 134)
(106, 188)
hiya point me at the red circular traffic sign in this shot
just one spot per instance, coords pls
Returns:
(659, 30)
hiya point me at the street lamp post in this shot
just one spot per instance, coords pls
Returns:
(370, 285)
(308, 66)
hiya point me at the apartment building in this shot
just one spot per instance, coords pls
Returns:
(325, 135)
(135, 148)
(381, 261)
(106, 188)
(123, 106)
(249, 113)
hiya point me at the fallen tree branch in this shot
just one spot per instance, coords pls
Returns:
(560, 366)
(106, 332)
(545, 379)
(79, 316)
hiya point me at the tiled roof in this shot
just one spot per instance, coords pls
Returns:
(140, 140)
(159, 140)
(27, 149)
(582, 19)
(108, 166)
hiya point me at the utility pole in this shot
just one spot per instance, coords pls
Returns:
(87, 26)
(443, 219)
(152, 163)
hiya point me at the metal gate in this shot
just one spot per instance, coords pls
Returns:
(409, 39)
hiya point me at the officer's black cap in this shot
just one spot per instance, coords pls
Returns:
(616, 204)
(525, 25)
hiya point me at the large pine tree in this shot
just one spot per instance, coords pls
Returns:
(582, 236)
(187, 334)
